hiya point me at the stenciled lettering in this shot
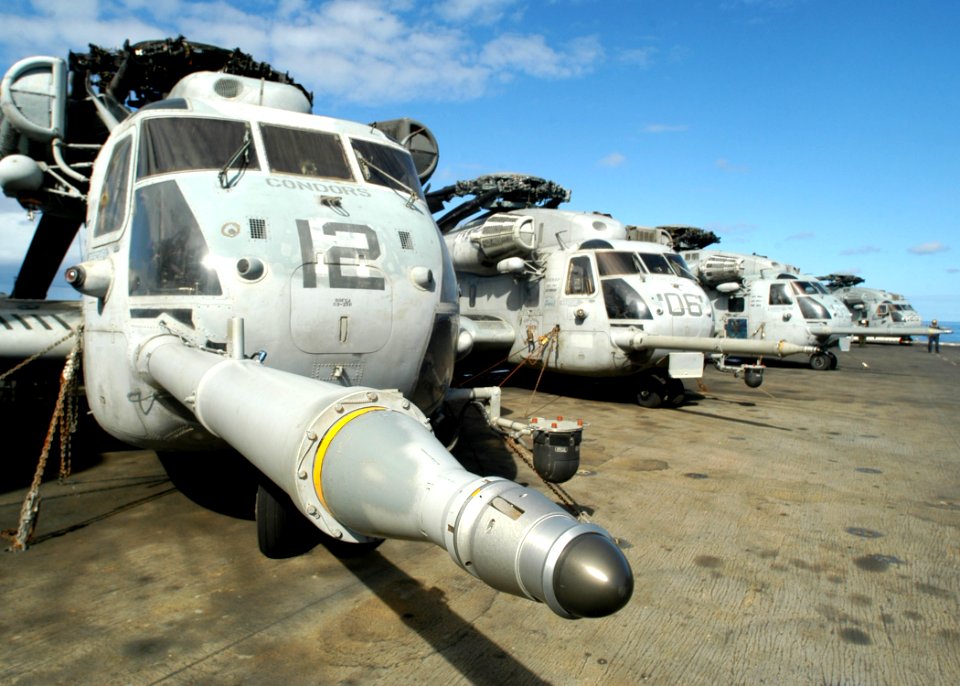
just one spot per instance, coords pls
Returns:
(316, 187)
(337, 253)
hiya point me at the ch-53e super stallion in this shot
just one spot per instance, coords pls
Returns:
(568, 291)
(755, 297)
(258, 276)
(882, 312)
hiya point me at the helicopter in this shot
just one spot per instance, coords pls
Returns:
(568, 291)
(757, 297)
(875, 307)
(258, 277)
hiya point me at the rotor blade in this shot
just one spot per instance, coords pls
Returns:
(49, 246)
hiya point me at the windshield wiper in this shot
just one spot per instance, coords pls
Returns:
(244, 152)
(365, 167)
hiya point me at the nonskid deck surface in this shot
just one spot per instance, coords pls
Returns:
(804, 532)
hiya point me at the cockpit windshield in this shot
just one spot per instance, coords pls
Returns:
(656, 263)
(176, 144)
(386, 166)
(613, 263)
(808, 288)
(679, 266)
(305, 152)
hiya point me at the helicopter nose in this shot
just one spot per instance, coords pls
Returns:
(592, 577)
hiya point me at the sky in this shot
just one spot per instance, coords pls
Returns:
(820, 133)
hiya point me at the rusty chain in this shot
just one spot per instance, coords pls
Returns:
(64, 422)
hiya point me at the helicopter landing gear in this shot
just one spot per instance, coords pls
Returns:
(822, 361)
(656, 391)
(282, 531)
(676, 391)
(651, 391)
(834, 362)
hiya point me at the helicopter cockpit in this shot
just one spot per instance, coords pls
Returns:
(636, 285)
(168, 251)
(803, 292)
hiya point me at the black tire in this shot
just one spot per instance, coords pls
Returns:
(819, 362)
(677, 392)
(834, 362)
(650, 392)
(282, 531)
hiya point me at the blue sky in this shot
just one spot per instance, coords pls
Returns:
(825, 134)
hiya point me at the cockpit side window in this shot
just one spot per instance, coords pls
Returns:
(778, 294)
(113, 195)
(386, 166)
(175, 144)
(304, 152)
(580, 276)
(612, 263)
(656, 263)
(623, 302)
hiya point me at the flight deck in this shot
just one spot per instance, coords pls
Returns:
(805, 532)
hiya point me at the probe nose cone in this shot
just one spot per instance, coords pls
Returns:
(592, 577)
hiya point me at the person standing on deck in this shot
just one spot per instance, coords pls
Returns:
(933, 340)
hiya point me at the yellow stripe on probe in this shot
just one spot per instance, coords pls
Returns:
(325, 443)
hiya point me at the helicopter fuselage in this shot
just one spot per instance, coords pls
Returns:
(582, 293)
(311, 230)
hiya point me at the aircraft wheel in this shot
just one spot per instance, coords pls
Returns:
(834, 362)
(819, 361)
(677, 392)
(651, 392)
(282, 530)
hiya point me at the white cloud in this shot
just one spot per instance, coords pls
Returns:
(929, 248)
(861, 250)
(614, 159)
(479, 11)
(642, 57)
(366, 51)
(531, 55)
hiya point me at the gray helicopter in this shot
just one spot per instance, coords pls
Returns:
(875, 308)
(571, 292)
(755, 297)
(259, 277)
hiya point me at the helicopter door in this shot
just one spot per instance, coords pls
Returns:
(781, 310)
(580, 340)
